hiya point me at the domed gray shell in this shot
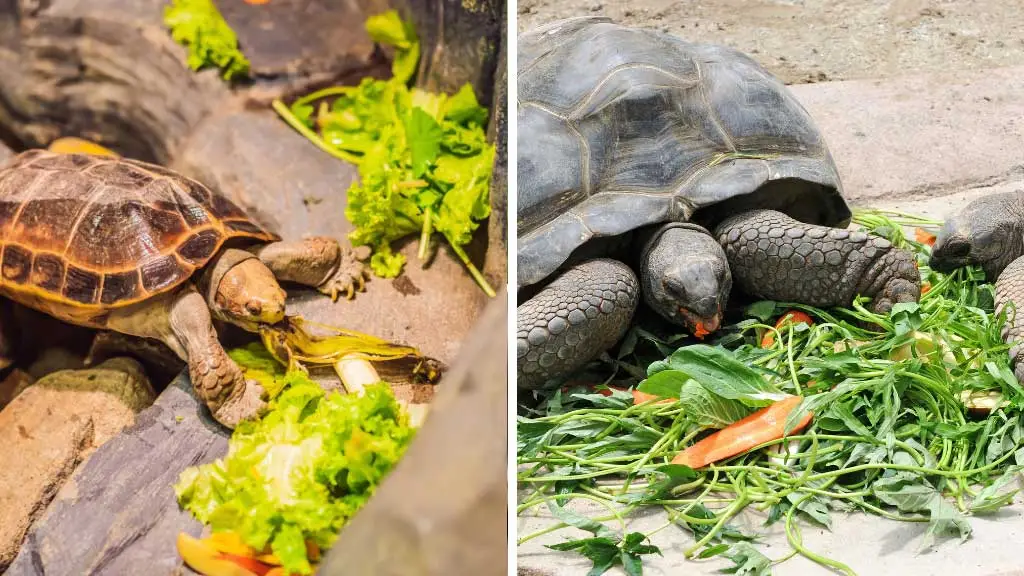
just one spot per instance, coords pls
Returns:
(623, 127)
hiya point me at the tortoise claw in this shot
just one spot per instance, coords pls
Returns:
(349, 278)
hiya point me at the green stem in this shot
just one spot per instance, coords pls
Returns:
(299, 126)
(480, 280)
(428, 229)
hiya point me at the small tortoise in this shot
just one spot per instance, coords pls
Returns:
(127, 246)
(652, 167)
(989, 232)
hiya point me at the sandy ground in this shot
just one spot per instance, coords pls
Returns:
(819, 40)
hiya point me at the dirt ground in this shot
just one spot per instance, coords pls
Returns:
(818, 40)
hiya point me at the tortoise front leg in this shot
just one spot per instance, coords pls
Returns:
(217, 380)
(575, 318)
(320, 262)
(775, 257)
(1010, 290)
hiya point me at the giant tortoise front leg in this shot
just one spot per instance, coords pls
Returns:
(580, 314)
(776, 257)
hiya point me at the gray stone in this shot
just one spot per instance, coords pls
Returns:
(921, 136)
(118, 513)
(442, 510)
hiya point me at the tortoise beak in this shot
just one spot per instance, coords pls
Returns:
(701, 326)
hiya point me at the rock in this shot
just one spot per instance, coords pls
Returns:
(922, 136)
(303, 41)
(13, 384)
(46, 450)
(160, 362)
(54, 359)
(252, 157)
(443, 509)
(496, 263)
(119, 514)
(53, 425)
(111, 394)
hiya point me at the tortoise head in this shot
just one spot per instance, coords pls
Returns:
(247, 293)
(685, 276)
(988, 232)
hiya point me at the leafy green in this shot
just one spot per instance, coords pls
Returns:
(388, 29)
(720, 373)
(894, 432)
(749, 560)
(302, 471)
(198, 25)
(424, 162)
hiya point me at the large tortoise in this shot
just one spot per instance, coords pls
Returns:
(649, 165)
(122, 245)
(989, 232)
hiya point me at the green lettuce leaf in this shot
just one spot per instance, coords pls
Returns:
(301, 472)
(199, 26)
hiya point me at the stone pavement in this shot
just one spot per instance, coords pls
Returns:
(927, 145)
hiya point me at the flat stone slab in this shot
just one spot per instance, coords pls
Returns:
(118, 512)
(922, 136)
(870, 546)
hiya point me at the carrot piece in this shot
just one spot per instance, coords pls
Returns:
(202, 557)
(641, 397)
(765, 425)
(699, 331)
(795, 316)
(251, 564)
(924, 237)
(230, 543)
(925, 288)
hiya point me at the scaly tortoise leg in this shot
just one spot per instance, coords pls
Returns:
(217, 380)
(1010, 290)
(775, 257)
(572, 320)
(320, 262)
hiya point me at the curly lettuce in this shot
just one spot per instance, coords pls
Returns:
(302, 471)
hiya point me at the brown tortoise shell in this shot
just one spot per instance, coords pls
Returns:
(108, 232)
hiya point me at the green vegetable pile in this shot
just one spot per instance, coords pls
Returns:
(895, 431)
(302, 471)
(424, 161)
(198, 25)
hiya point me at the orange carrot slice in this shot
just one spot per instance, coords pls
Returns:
(765, 425)
(202, 557)
(699, 331)
(641, 397)
(924, 237)
(795, 316)
(925, 288)
(251, 564)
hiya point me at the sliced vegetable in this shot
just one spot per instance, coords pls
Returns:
(72, 145)
(641, 397)
(205, 559)
(765, 425)
(924, 237)
(792, 316)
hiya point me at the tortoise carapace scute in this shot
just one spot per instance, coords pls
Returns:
(108, 232)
